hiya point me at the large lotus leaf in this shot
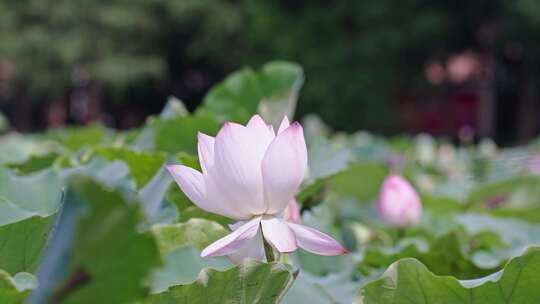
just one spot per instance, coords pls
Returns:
(74, 138)
(180, 245)
(448, 254)
(409, 281)
(24, 196)
(27, 208)
(272, 91)
(251, 282)
(336, 288)
(177, 134)
(106, 257)
(22, 243)
(143, 165)
(182, 265)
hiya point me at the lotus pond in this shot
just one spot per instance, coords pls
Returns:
(91, 214)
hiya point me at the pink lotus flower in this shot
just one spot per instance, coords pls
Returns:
(399, 204)
(250, 174)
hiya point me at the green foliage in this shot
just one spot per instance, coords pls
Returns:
(443, 254)
(273, 91)
(181, 266)
(195, 232)
(37, 194)
(17, 149)
(380, 47)
(70, 38)
(408, 280)
(4, 123)
(251, 282)
(75, 138)
(125, 232)
(23, 243)
(143, 165)
(514, 197)
(360, 180)
(109, 257)
(177, 134)
(35, 163)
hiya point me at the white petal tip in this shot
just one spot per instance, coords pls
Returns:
(256, 117)
(202, 136)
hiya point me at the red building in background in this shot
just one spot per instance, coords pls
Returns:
(460, 101)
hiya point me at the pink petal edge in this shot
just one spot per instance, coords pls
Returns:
(315, 241)
(205, 148)
(284, 167)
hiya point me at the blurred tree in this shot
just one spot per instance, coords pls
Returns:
(359, 57)
(54, 42)
(519, 48)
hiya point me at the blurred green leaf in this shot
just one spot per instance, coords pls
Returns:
(17, 149)
(361, 180)
(198, 233)
(109, 257)
(74, 138)
(247, 91)
(34, 163)
(173, 108)
(22, 243)
(24, 196)
(143, 165)
(448, 254)
(178, 134)
(516, 197)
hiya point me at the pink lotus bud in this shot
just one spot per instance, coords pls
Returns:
(399, 204)
(534, 164)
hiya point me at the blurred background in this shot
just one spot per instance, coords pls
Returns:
(451, 68)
